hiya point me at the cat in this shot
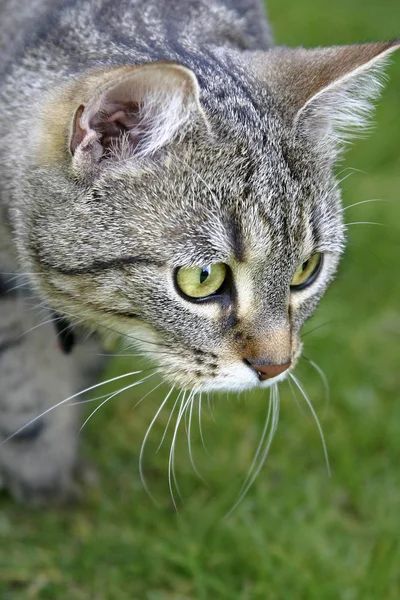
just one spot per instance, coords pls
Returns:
(166, 174)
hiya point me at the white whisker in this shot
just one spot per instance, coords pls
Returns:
(364, 202)
(17, 287)
(295, 396)
(365, 223)
(323, 377)
(189, 441)
(45, 322)
(266, 440)
(169, 420)
(171, 467)
(128, 387)
(338, 182)
(171, 462)
(314, 414)
(148, 393)
(211, 406)
(142, 477)
(261, 443)
(89, 389)
(200, 425)
(88, 401)
(135, 354)
(20, 274)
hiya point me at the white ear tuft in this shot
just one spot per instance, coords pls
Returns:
(342, 109)
(134, 114)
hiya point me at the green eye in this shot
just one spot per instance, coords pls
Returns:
(307, 272)
(200, 282)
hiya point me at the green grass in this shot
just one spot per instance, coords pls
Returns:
(298, 533)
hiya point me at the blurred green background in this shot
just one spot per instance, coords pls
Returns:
(298, 533)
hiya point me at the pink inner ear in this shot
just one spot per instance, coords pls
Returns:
(120, 120)
(79, 133)
(110, 125)
(135, 114)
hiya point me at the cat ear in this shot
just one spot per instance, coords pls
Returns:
(134, 114)
(328, 93)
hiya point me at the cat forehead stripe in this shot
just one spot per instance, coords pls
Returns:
(98, 265)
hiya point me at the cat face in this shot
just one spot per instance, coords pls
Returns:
(116, 253)
(205, 236)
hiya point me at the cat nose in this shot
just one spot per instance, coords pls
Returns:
(267, 371)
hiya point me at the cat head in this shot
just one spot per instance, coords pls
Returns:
(195, 210)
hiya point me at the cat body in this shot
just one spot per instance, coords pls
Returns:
(140, 141)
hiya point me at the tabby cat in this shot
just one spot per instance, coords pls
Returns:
(167, 174)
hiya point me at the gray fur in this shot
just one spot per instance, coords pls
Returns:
(246, 181)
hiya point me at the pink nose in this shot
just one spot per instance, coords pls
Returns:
(268, 371)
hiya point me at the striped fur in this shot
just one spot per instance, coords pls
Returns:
(138, 136)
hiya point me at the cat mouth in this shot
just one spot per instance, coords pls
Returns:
(246, 375)
(206, 371)
(233, 378)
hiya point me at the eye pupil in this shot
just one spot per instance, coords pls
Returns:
(205, 272)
